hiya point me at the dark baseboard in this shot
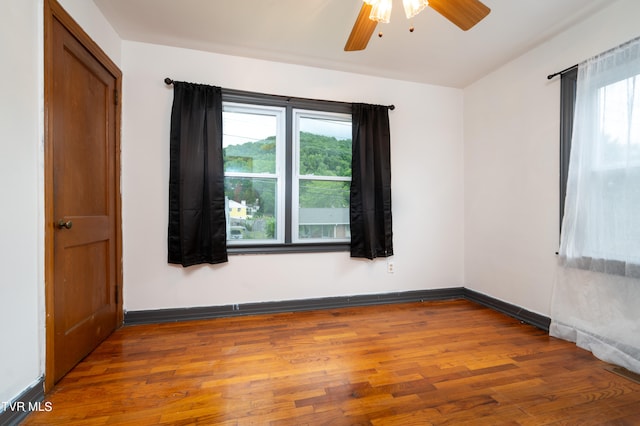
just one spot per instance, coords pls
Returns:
(514, 311)
(28, 401)
(185, 314)
(208, 312)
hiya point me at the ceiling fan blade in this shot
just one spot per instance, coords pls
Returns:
(362, 30)
(463, 13)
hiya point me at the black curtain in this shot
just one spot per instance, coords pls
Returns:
(568, 85)
(371, 233)
(197, 224)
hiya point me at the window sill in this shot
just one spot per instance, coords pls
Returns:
(604, 266)
(289, 248)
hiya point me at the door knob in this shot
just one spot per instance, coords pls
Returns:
(64, 225)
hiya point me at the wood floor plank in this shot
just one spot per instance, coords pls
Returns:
(431, 363)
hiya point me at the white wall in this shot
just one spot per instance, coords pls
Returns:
(20, 219)
(427, 185)
(511, 133)
(93, 22)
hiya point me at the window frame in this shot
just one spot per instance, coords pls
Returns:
(298, 177)
(289, 104)
(278, 175)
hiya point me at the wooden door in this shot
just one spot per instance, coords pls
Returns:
(83, 219)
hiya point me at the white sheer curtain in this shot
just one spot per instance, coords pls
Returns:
(596, 300)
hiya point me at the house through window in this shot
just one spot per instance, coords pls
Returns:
(287, 167)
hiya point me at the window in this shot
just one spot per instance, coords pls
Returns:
(322, 147)
(616, 171)
(287, 174)
(600, 166)
(254, 172)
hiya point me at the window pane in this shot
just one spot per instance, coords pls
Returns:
(325, 146)
(619, 138)
(251, 208)
(249, 142)
(323, 210)
(613, 227)
(615, 232)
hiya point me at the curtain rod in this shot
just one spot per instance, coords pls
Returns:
(169, 82)
(550, 76)
(633, 40)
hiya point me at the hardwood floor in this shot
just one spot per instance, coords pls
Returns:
(437, 363)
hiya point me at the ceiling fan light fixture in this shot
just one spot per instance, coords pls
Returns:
(413, 7)
(463, 13)
(380, 10)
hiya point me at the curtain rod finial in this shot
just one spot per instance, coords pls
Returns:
(168, 81)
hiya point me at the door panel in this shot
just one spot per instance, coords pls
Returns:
(82, 138)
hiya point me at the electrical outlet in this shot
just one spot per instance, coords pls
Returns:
(391, 266)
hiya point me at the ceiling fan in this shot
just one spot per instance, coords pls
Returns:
(463, 13)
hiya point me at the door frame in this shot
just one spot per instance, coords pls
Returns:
(53, 11)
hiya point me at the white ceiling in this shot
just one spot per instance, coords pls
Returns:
(313, 33)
